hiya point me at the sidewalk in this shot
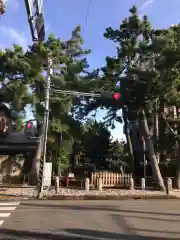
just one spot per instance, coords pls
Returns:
(79, 194)
(175, 193)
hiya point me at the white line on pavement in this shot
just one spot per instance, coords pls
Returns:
(9, 203)
(4, 215)
(1, 222)
(7, 208)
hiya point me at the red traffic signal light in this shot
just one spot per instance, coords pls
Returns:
(116, 96)
(29, 125)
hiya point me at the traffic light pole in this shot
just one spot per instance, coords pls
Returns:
(46, 123)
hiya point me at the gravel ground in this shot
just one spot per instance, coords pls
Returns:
(32, 192)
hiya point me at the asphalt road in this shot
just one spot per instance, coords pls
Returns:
(128, 220)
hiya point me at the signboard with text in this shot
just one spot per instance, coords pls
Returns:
(47, 174)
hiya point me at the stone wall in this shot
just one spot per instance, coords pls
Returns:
(10, 169)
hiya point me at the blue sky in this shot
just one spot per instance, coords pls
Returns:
(62, 16)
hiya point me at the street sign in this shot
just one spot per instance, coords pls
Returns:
(47, 174)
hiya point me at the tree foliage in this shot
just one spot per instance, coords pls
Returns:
(23, 83)
(145, 71)
(146, 67)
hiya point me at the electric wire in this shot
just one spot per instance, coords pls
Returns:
(76, 93)
(87, 15)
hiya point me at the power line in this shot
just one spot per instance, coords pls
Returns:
(87, 15)
(76, 93)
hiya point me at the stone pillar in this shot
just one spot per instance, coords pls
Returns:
(143, 183)
(100, 184)
(168, 184)
(131, 184)
(87, 184)
(57, 184)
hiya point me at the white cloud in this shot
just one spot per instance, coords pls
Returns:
(2, 46)
(13, 36)
(146, 4)
(47, 27)
(13, 5)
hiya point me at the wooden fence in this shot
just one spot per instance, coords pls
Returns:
(110, 179)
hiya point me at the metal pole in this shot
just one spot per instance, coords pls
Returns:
(59, 162)
(46, 121)
(144, 157)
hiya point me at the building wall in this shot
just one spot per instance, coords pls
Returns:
(10, 170)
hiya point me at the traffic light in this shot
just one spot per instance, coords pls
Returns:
(116, 96)
(33, 128)
(29, 128)
(29, 125)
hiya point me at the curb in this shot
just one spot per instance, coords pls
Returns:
(15, 198)
(90, 197)
(128, 197)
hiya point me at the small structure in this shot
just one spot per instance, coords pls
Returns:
(110, 179)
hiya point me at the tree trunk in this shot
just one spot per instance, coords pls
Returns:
(150, 148)
(156, 131)
(129, 142)
(176, 136)
(34, 174)
(162, 135)
(177, 175)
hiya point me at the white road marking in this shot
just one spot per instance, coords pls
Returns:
(4, 215)
(7, 208)
(1, 222)
(9, 203)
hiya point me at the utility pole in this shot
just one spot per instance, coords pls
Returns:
(46, 123)
(36, 23)
(35, 15)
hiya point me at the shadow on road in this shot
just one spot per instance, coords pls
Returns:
(84, 234)
(146, 217)
(96, 208)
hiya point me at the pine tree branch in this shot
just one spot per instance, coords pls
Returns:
(169, 127)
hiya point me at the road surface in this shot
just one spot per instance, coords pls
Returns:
(128, 220)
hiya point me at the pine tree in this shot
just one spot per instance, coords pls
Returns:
(146, 66)
(69, 62)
